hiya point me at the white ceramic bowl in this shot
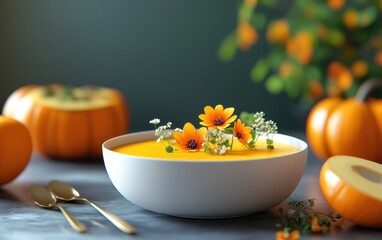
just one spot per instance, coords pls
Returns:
(204, 189)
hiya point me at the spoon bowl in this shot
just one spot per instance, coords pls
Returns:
(44, 198)
(66, 192)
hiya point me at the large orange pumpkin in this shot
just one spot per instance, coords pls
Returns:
(351, 126)
(69, 122)
(15, 148)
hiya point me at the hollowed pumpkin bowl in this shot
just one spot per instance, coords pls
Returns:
(204, 189)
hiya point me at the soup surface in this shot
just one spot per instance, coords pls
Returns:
(153, 149)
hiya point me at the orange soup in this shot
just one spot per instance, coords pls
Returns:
(153, 149)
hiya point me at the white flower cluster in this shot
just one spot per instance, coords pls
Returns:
(263, 127)
(162, 132)
(155, 121)
(215, 142)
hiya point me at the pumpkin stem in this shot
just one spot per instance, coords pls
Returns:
(367, 87)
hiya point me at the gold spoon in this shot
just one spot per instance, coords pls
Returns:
(65, 192)
(44, 198)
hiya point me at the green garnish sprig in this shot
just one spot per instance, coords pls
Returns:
(301, 216)
(164, 133)
(260, 127)
(216, 142)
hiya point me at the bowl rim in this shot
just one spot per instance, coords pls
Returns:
(105, 147)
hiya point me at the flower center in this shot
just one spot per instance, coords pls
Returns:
(218, 122)
(239, 135)
(192, 144)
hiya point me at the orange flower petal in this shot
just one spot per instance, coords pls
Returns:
(189, 129)
(227, 113)
(206, 124)
(219, 109)
(242, 132)
(190, 139)
(206, 119)
(231, 119)
(217, 117)
(221, 127)
(280, 235)
(210, 112)
(179, 137)
(199, 137)
(295, 234)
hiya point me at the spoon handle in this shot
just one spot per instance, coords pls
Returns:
(77, 225)
(118, 222)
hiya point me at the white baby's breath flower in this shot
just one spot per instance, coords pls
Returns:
(158, 131)
(178, 130)
(155, 121)
(223, 150)
(164, 133)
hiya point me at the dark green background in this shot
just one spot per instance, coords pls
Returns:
(162, 54)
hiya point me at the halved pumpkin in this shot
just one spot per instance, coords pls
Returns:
(69, 122)
(353, 188)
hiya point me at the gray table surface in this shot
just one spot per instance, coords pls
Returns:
(21, 219)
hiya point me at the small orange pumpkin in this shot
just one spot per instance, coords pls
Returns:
(347, 127)
(69, 122)
(352, 187)
(15, 148)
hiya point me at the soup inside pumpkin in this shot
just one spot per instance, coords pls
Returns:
(153, 149)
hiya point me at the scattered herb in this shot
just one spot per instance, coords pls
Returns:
(300, 216)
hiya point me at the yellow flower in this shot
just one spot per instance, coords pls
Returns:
(282, 235)
(242, 132)
(190, 139)
(218, 118)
